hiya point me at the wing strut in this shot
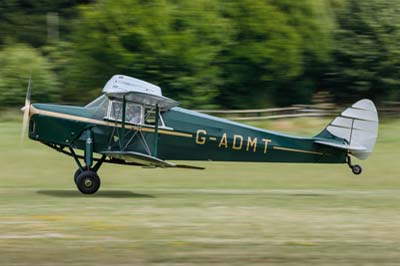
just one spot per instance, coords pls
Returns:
(155, 152)
(123, 122)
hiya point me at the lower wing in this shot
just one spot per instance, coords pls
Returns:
(144, 159)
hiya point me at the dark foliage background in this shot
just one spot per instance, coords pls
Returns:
(204, 53)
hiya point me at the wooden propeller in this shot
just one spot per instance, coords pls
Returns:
(25, 109)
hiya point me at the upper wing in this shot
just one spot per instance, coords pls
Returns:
(138, 91)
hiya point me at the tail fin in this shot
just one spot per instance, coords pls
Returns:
(355, 130)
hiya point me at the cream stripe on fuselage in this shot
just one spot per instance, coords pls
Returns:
(33, 111)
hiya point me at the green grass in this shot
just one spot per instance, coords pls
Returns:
(228, 214)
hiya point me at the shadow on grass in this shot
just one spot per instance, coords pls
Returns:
(100, 194)
(308, 195)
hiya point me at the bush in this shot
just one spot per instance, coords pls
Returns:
(18, 63)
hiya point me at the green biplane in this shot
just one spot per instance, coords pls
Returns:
(132, 123)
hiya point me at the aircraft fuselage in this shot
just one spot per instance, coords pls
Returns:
(187, 135)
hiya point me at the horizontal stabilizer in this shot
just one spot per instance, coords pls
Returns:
(144, 159)
(342, 146)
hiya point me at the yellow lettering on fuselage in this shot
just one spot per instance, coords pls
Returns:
(251, 143)
(266, 141)
(224, 141)
(201, 139)
(236, 144)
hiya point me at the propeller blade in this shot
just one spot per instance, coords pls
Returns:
(25, 109)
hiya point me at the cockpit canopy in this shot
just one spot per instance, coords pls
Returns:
(142, 100)
(104, 108)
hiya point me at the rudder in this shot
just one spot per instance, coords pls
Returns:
(356, 130)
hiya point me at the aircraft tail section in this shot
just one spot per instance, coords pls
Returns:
(355, 130)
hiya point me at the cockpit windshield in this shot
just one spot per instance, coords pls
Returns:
(98, 107)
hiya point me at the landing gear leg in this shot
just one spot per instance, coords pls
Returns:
(356, 169)
(86, 178)
(80, 167)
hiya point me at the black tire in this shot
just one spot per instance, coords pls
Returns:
(77, 173)
(356, 169)
(88, 182)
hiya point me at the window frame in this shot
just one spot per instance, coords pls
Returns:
(142, 121)
(110, 109)
(160, 118)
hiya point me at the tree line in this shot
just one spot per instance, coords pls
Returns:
(204, 53)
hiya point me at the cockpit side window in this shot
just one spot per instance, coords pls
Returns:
(115, 112)
(133, 114)
(150, 117)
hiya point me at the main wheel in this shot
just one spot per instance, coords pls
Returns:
(77, 173)
(88, 182)
(356, 169)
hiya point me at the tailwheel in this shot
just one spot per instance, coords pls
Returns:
(356, 169)
(88, 182)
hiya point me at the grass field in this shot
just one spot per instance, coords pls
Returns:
(228, 214)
